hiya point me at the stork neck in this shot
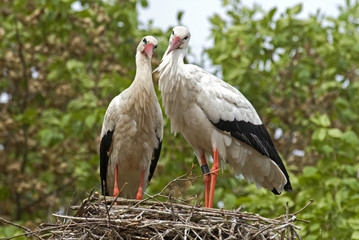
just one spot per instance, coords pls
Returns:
(143, 75)
(143, 65)
(143, 88)
(177, 56)
(143, 84)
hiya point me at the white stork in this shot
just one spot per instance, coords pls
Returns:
(132, 130)
(214, 116)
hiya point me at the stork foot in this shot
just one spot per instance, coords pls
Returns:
(140, 192)
(116, 191)
(115, 187)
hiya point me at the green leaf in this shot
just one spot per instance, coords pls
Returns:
(354, 223)
(90, 120)
(335, 181)
(351, 137)
(324, 120)
(335, 133)
(144, 3)
(310, 171)
(74, 64)
(272, 12)
(314, 226)
(179, 16)
(29, 116)
(319, 134)
(329, 72)
(216, 20)
(321, 120)
(65, 120)
(355, 235)
(326, 149)
(49, 137)
(294, 10)
(87, 82)
(54, 74)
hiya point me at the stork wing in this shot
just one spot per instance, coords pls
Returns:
(230, 111)
(108, 128)
(159, 135)
(105, 145)
(155, 157)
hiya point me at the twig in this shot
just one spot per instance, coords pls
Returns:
(114, 201)
(172, 210)
(296, 213)
(287, 217)
(83, 205)
(107, 211)
(310, 202)
(14, 224)
(176, 179)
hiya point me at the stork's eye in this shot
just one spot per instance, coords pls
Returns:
(155, 46)
(145, 40)
(185, 38)
(173, 32)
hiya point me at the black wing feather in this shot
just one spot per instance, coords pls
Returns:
(105, 145)
(258, 138)
(154, 160)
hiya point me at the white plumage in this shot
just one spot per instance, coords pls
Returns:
(132, 131)
(213, 115)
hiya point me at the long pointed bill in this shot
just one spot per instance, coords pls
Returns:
(149, 50)
(175, 44)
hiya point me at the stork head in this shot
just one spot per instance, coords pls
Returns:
(147, 46)
(179, 39)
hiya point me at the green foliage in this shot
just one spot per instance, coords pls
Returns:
(301, 75)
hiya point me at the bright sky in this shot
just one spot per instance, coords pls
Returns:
(197, 13)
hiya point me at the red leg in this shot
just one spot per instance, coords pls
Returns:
(214, 173)
(115, 187)
(139, 193)
(206, 178)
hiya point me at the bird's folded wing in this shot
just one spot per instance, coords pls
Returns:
(159, 135)
(108, 128)
(105, 146)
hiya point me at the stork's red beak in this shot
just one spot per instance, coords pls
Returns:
(175, 44)
(149, 50)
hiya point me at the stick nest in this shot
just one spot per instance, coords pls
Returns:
(98, 218)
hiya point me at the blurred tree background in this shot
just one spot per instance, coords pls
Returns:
(60, 68)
